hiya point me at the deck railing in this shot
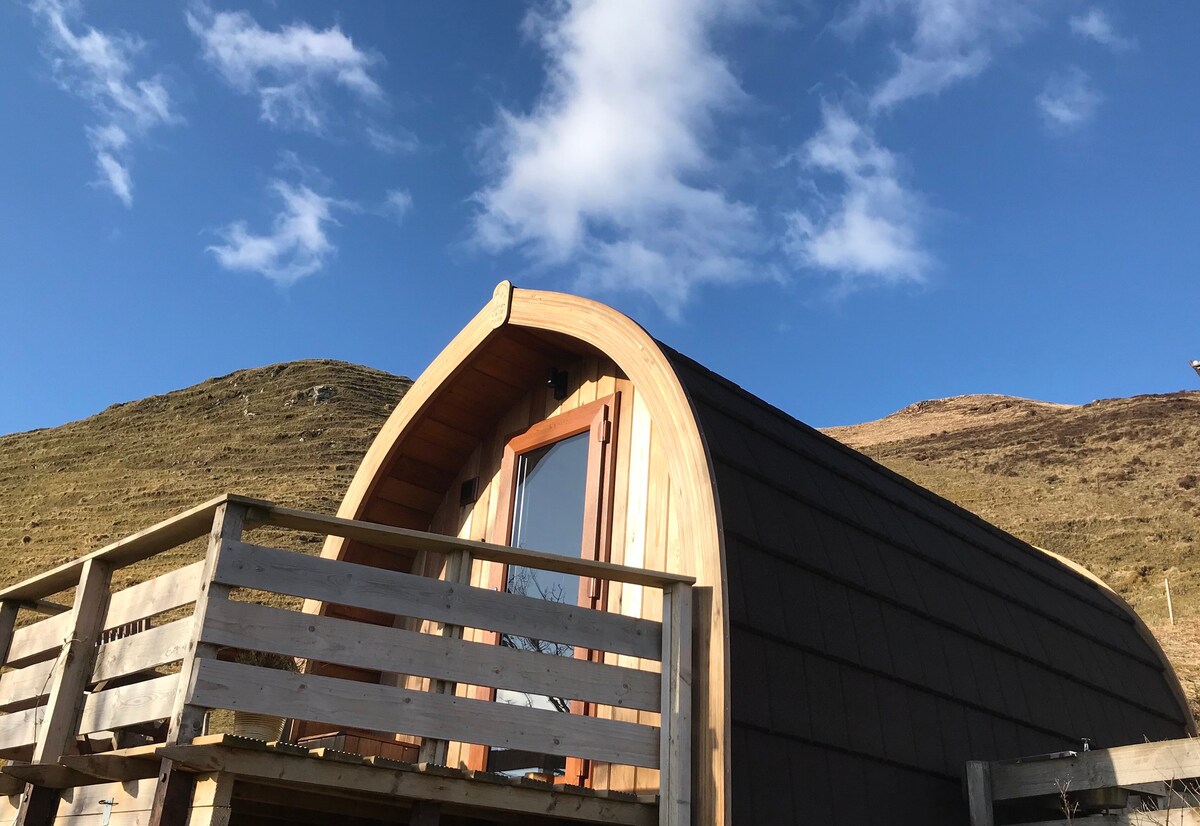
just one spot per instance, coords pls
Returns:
(75, 674)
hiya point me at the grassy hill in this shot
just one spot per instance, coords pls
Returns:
(291, 433)
(1113, 485)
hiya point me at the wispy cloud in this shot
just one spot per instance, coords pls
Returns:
(98, 68)
(869, 231)
(950, 41)
(392, 142)
(1068, 100)
(1096, 25)
(296, 246)
(608, 171)
(865, 225)
(398, 204)
(289, 70)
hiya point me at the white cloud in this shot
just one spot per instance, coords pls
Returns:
(870, 230)
(394, 142)
(1068, 101)
(287, 69)
(116, 177)
(398, 204)
(1096, 25)
(297, 244)
(98, 68)
(951, 41)
(607, 174)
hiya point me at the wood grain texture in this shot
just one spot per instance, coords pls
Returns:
(19, 728)
(36, 641)
(675, 803)
(228, 522)
(128, 705)
(25, 686)
(597, 337)
(142, 651)
(1099, 768)
(70, 677)
(384, 708)
(345, 583)
(171, 590)
(260, 628)
(129, 797)
(460, 791)
(419, 540)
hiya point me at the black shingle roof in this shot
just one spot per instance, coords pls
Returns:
(882, 636)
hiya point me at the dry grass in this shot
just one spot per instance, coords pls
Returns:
(1114, 485)
(261, 432)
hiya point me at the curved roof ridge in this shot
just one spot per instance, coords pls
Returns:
(1028, 550)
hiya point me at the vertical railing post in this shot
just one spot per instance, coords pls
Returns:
(458, 570)
(72, 672)
(675, 766)
(8, 623)
(172, 795)
(979, 793)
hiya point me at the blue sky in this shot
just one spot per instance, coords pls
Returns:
(844, 207)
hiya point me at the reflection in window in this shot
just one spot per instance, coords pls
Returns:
(548, 513)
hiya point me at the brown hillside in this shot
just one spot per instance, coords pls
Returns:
(938, 416)
(293, 433)
(1113, 485)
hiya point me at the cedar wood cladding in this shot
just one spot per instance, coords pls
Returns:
(881, 636)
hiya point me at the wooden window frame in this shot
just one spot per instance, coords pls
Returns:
(600, 419)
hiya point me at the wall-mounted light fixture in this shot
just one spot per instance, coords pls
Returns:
(557, 379)
(468, 493)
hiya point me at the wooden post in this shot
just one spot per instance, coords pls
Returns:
(979, 793)
(8, 622)
(212, 801)
(675, 769)
(458, 569)
(68, 683)
(173, 794)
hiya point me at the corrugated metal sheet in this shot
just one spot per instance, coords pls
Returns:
(882, 636)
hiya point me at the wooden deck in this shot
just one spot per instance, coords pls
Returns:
(140, 700)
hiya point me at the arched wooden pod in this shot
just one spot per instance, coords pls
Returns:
(861, 638)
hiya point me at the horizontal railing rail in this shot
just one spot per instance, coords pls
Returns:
(150, 661)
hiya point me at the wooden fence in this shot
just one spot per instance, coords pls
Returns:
(1145, 784)
(80, 672)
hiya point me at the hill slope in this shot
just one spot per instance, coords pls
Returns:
(1113, 485)
(292, 433)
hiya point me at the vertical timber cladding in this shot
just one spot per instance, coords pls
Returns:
(664, 513)
(643, 520)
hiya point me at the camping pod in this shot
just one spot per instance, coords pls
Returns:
(856, 639)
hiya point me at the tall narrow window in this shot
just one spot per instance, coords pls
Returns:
(557, 477)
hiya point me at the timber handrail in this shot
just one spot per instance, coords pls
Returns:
(1166, 770)
(196, 522)
(67, 676)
